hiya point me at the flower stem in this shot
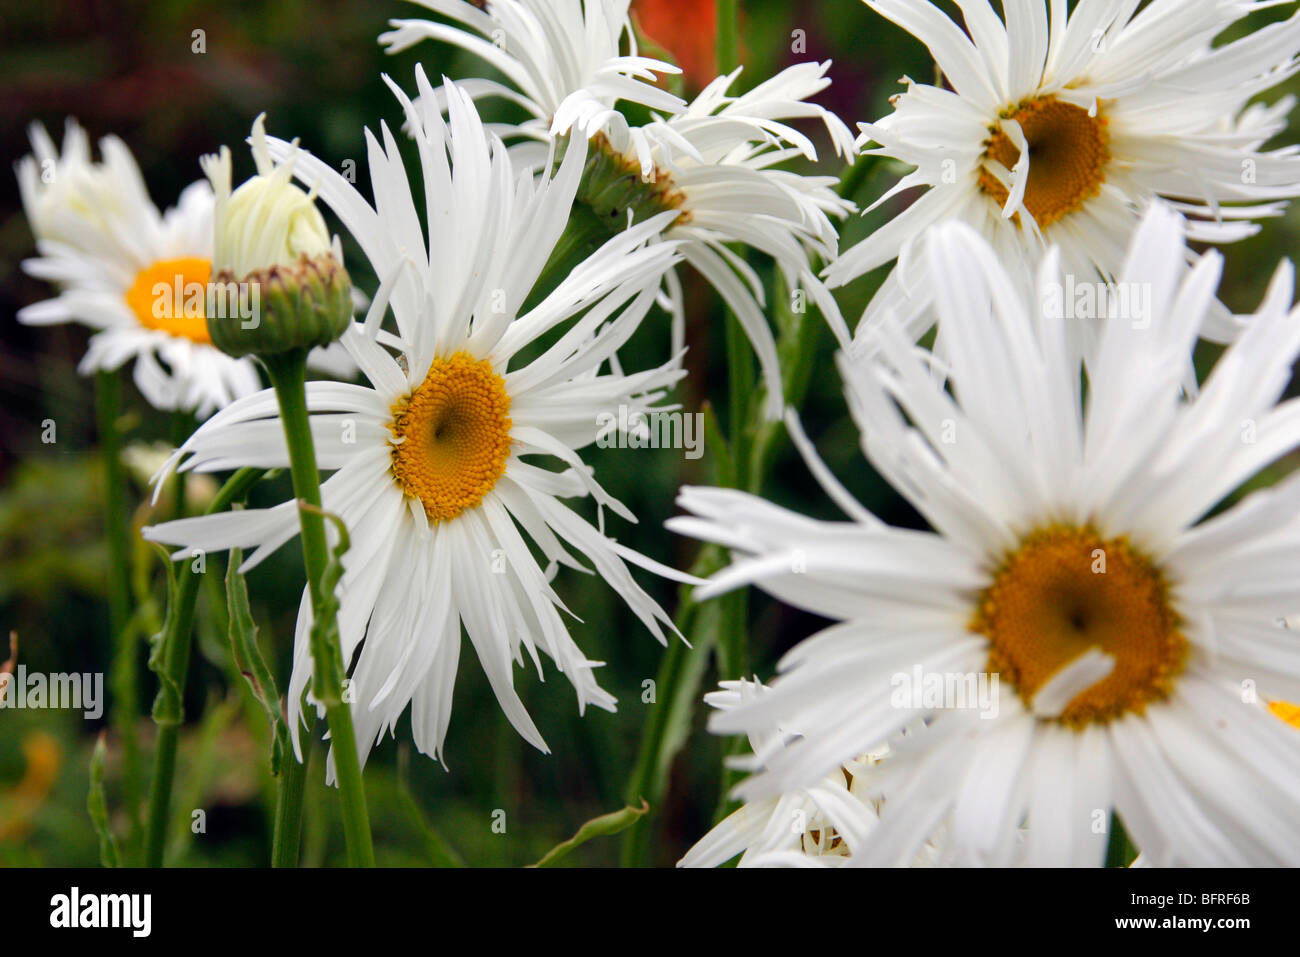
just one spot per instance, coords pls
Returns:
(584, 233)
(182, 425)
(108, 399)
(288, 801)
(124, 679)
(175, 657)
(727, 48)
(742, 409)
(288, 374)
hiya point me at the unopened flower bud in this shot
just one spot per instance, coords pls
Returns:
(277, 281)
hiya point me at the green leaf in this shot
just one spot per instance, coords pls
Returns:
(97, 805)
(249, 660)
(602, 826)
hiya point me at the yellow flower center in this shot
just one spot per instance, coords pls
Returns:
(452, 436)
(1068, 153)
(1065, 591)
(1287, 711)
(171, 296)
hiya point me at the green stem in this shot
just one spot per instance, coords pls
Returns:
(681, 671)
(182, 426)
(740, 378)
(176, 645)
(288, 373)
(108, 400)
(728, 50)
(288, 799)
(854, 176)
(124, 679)
(647, 781)
(160, 790)
(583, 234)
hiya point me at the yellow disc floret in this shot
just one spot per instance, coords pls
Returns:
(451, 436)
(1065, 591)
(1287, 711)
(171, 296)
(1068, 153)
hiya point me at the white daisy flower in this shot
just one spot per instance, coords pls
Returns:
(563, 58)
(714, 163)
(435, 462)
(817, 826)
(137, 276)
(1060, 129)
(1137, 634)
(711, 161)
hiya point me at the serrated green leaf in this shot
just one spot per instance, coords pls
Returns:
(328, 675)
(167, 705)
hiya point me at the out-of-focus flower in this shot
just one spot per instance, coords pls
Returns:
(688, 29)
(138, 277)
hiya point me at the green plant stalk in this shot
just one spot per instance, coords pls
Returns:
(583, 234)
(797, 347)
(745, 427)
(681, 671)
(182, 425)
(728, 50)
(741, 410)
(287, 371)
(290, 785)
(108, 400)
(176, 661)
(176, 641)
(124, 679)
(740, 377)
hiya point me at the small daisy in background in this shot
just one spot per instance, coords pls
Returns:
(814, 827)
(1056, 129)
(439, 462)
(135, 275)
(711, 162)
(1076, 554)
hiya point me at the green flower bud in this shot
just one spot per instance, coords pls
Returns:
(612, 183)
(277, 281)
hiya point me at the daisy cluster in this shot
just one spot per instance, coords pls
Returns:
(1090, 631)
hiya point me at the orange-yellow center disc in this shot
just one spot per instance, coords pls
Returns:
(171, 296)
(452, 436)
(1287, 711)
(1068, 153)
(1064, 591)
